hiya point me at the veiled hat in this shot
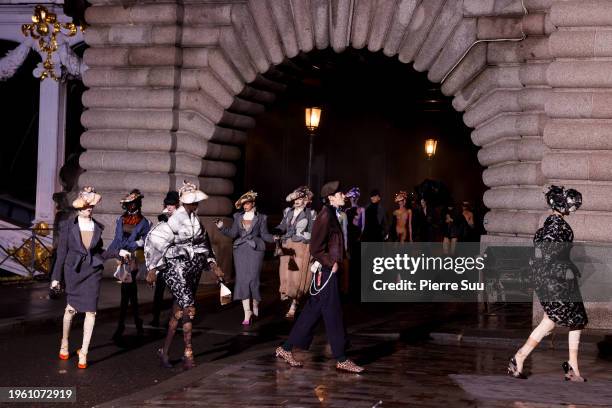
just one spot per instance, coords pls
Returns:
(87, 198)
(245, 198)
(189, 193)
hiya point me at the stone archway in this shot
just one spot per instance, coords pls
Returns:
(174, 86)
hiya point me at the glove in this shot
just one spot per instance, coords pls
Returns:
(140, 243)
(54, 284)
(124, 254)
(219, 224)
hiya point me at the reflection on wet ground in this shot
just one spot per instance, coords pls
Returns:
(398, 375)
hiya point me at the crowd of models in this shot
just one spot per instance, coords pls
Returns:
(313, 249)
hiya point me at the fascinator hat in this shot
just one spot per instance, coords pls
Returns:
(189, 193)
(354, 192)
(87, 198)
(562, 200)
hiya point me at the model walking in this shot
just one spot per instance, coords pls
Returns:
(130, 232)
(80, 261)
(327, 250)
(556, 283)
(401, 227)
(296, 226)
(249, 231)
(180, 250)
(171, 202)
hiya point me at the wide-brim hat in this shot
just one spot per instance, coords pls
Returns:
(134, 195)
(87, 198)
(249, 196)
(189, 194)
(300, 192)
(330, 188)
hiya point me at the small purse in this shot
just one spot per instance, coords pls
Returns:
(56, 292)
(225, 295)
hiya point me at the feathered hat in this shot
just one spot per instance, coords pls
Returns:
(87, 198)
(189, 193)
(245, 198)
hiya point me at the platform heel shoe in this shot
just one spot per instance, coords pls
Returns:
(570, 375)
(82, 359)
(64, 354)
(513, 370)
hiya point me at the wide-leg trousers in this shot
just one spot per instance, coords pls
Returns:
(325, 304)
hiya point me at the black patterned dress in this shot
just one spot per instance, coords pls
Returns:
(555, 276)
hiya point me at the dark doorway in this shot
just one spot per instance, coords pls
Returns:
(377, 114)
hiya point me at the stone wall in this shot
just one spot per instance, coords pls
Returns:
(174, 86)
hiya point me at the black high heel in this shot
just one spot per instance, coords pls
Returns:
(513, 370)
(569, 373)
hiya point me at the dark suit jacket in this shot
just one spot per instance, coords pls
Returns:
(80, 267)
(327, 240)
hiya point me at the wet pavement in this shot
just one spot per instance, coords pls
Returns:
(399, 344)
(398, 375)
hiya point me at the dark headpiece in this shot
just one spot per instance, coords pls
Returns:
(330, 188)
(562, 200)
(172, 198)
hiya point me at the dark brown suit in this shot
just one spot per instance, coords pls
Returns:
(326, 242)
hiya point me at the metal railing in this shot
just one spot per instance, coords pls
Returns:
(33, 255)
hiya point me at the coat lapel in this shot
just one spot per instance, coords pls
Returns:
(96, 235)
(76, 232)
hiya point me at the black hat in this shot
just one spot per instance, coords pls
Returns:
(330, 188)
(562, 200)
(172, 198)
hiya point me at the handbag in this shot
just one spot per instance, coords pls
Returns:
(122, 273)
(225, 295)
(56, 292)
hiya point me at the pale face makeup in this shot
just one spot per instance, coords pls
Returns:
(248, 206)
(337, 200)
(170, 209)
(299, 203)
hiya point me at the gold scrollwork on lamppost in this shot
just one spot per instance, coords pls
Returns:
(45, 28)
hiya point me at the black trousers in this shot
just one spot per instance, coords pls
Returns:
(327, 305)
(129, 295)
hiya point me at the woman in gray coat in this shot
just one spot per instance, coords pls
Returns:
(80, 261)
(249, 231)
